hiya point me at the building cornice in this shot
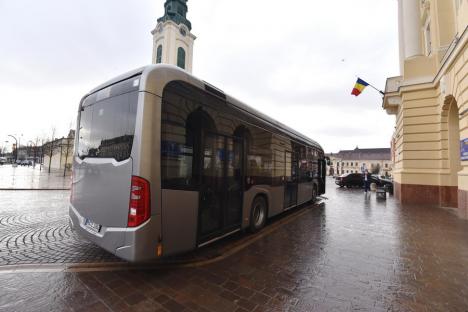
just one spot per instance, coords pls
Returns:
(392, 98)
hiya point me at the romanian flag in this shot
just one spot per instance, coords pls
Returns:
(359, 87)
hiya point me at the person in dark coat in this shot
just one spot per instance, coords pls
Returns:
(366, 181)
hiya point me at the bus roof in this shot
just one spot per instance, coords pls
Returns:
(146, 70)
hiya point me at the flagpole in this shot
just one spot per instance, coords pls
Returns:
(380, 91)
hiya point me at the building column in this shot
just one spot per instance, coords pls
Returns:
(412, 28)
(401, 36)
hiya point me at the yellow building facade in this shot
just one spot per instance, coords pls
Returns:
(430, 102)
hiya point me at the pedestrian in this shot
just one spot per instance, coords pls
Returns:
(366, 181)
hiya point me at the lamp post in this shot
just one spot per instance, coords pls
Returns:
(35, 152)
(16, 154)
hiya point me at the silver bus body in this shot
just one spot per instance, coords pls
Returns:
(183, 209)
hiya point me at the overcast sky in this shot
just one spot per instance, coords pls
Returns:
(297, 61)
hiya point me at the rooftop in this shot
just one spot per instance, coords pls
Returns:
(364, 154)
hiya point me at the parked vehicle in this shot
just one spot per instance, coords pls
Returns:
(3, 161)
(387, 183)
(354, 180)
(357, 180)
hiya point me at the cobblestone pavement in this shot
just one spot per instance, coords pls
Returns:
(34, 229)
(352, 254)
(23, 177)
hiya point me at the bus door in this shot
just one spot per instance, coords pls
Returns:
(322, 164)
(220, 209)
(291, 180)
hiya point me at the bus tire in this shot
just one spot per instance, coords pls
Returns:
(258, 214)
(314, 193)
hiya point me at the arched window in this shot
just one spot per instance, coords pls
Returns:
(181, 58)
(159, 55)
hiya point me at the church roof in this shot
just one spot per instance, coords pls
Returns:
(364, 154)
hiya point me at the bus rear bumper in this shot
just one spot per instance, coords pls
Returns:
(131, 244)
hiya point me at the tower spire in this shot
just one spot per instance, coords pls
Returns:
(176, 11)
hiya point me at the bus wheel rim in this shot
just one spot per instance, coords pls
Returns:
(259, 215)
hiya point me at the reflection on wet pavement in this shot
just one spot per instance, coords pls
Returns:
(29, 177)
(352, 254)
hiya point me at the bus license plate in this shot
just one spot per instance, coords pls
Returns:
(93, 227)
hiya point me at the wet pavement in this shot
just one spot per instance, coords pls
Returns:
(29, 177)
(34, 229)
(353, 253)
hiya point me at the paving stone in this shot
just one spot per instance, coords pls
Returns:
(34, 229)
(350, 254)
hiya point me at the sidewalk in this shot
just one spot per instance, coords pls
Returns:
(29, 178)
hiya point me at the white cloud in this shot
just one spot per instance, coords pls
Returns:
(296, 61)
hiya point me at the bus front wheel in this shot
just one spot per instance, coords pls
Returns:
(258, 214)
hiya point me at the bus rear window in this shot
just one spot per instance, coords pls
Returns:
(107, 127)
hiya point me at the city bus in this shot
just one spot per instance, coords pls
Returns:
(165, 163)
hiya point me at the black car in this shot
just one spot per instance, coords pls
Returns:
(354, 180)
(387, 183)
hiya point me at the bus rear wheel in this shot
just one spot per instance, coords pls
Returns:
(314, 194)
(258, 214)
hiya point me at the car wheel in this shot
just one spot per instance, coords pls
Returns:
(258, 214)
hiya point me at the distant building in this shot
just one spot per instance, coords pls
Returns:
(58, 154)
(172, 37)
(375, 160)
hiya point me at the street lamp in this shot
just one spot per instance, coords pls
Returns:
(35, 152)
(16, 154)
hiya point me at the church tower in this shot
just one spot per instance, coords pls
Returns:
(172, 37)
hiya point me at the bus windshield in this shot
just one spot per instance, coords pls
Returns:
(107, 127)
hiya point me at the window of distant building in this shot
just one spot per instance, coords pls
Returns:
(181, 58)
(386, 165)
(347, 164)
(159, 55)
(427, 36)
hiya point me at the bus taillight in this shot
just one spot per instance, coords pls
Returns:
(139, 209)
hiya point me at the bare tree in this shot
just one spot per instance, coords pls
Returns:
(376, 169)
(69, 141)
(54, 129)
(35, 151)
